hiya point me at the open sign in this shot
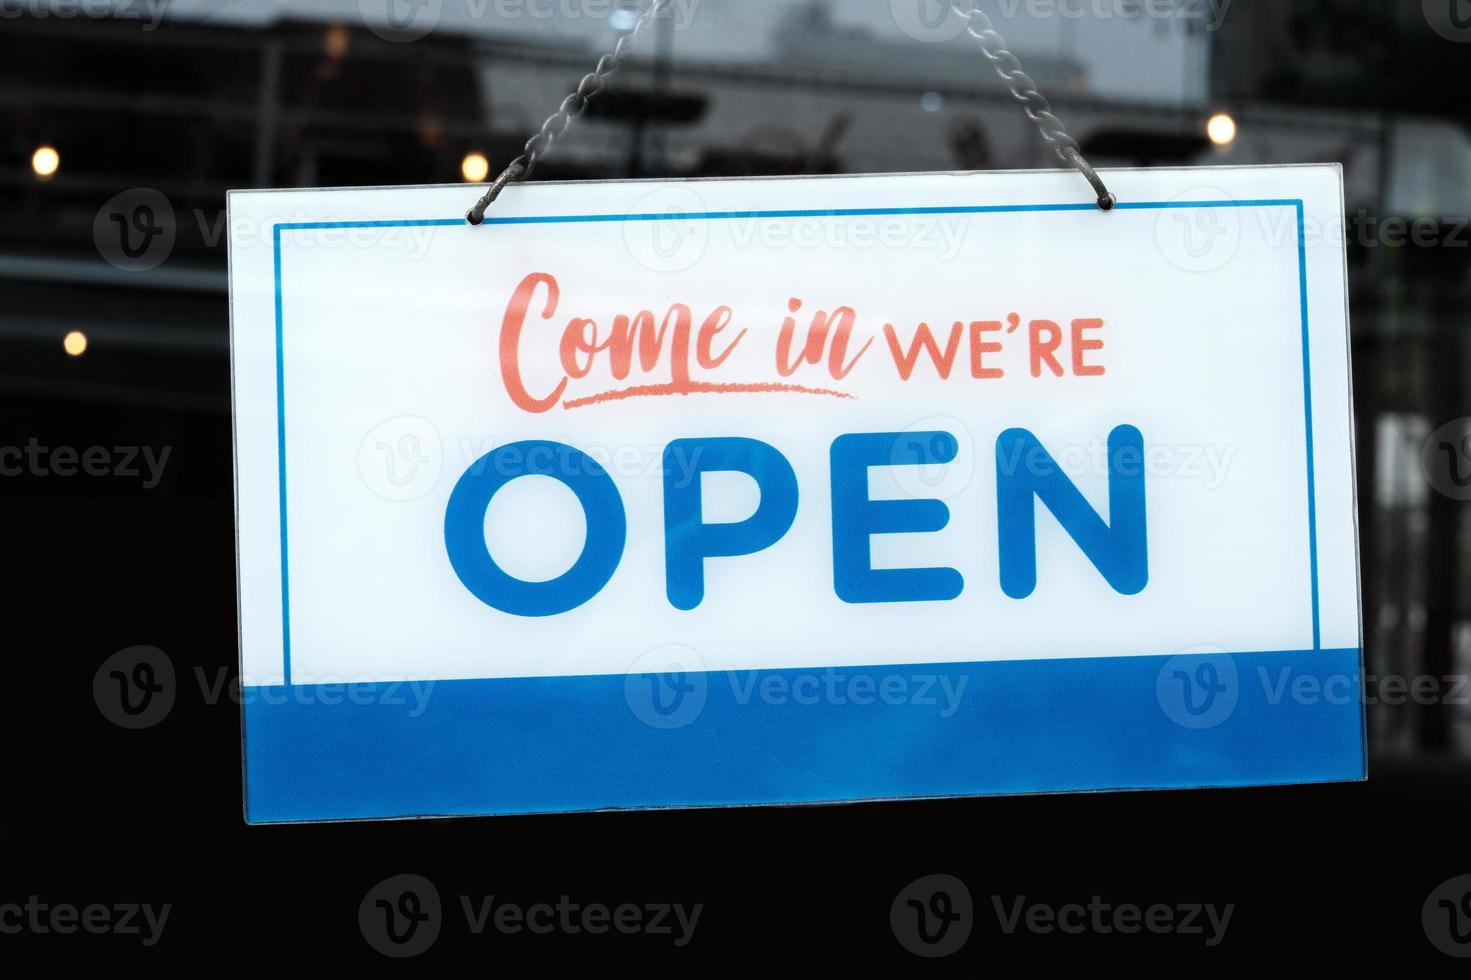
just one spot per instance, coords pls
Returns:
(1083, 484)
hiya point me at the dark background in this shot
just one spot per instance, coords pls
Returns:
(276, 95)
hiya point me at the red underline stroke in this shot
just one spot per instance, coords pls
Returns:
(700, 388)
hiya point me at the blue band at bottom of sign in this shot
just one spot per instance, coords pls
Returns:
(545, 744)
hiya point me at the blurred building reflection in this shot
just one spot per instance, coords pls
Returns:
(152, 126)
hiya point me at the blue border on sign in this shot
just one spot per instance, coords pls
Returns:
(539, 744)
(1307, 382)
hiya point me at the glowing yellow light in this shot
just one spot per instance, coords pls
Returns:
(1221, 129)
(475, 168)
(45, 161)
(75, 343)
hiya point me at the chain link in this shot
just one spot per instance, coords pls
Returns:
(977, 24)
(572, 106)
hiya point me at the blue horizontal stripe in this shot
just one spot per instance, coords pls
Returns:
(540, 744)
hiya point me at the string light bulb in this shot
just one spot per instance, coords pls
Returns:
(45, 162)
(474, 168)
(1221, 129)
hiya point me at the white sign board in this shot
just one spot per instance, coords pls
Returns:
(792, 490)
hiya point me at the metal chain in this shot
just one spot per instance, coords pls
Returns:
(557, 123)
(1033, 102)
(977, 25)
